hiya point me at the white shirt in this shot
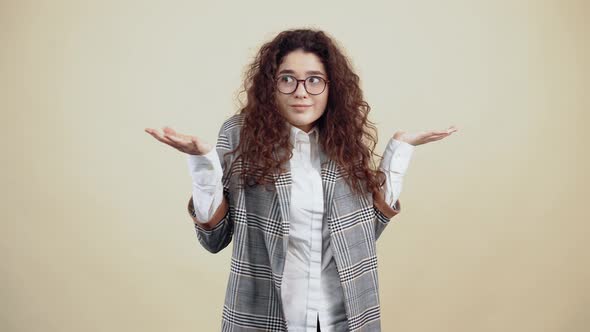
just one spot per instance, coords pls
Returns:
(311, 287)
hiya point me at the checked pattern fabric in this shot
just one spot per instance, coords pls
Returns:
(258, 224)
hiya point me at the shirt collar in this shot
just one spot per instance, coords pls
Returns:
(313, 134)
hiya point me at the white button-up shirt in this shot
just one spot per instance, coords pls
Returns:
(311, 288)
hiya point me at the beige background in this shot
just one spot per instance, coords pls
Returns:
(95, 235)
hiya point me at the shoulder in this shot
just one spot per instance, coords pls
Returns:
(233, 123)
(229, 133)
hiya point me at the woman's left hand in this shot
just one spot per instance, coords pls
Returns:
(424, 136)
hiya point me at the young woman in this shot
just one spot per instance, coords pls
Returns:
(293, 183)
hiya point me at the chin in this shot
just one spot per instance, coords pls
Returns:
(301, 122)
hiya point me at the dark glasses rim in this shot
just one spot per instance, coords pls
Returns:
(326, 82)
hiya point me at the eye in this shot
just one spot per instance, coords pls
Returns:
(286, 78)
(314, 79)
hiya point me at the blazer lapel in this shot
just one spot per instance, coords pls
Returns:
(283, 184)
(329, 174)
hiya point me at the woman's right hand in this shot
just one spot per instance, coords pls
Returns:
(181, 142)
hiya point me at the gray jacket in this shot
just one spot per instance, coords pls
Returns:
(258, 223)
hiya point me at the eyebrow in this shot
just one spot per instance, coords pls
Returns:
(311, 72)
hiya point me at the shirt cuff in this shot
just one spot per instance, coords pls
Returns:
(397, 156)
(205, 170)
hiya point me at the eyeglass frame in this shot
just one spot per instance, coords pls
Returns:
(304, 86)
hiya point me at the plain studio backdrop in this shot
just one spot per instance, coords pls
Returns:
(95, 236)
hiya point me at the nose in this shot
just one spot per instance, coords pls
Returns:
(300, 91)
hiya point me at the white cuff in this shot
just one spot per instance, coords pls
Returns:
(394, 164)
(396, 157)
(205, 170)
(207, 187)
(206, 203)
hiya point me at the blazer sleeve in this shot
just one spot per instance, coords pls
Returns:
(381, 221)
(216, 239)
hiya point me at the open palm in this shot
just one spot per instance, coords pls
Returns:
(181, 142)
(423, 136)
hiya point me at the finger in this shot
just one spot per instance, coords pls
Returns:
(178, 140)
(154, 133)
(452, 129)
(425, 135)
(172, 132)
(168, 130)
(185, 137)
(162, 139)
(436, 135)
(442, 136)
(435, 138)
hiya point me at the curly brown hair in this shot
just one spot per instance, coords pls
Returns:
(346, 134)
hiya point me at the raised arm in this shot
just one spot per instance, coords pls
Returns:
(212, 218)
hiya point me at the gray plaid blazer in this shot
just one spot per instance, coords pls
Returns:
(258, 223)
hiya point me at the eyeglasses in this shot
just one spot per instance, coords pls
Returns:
(314, 85)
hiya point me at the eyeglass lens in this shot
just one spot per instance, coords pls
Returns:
(313, 85)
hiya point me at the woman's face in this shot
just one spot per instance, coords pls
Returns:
(301, 65)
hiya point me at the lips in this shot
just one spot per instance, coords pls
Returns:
(300, 106)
